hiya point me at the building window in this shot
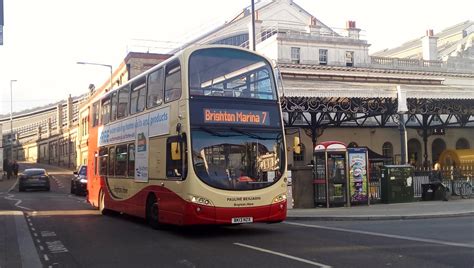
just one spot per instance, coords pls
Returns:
(462, 143)
(237, 40)
(323, 57)
(349, 58)
(299, 157)
(352, 144)
(387, 149)
(295, 55)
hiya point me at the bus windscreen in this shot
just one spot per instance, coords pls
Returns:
(236, 159)
(224, 72)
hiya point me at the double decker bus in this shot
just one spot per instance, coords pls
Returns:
(197, 139)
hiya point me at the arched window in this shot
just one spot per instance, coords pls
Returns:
(414, 152)
(352, 144)
(462, 143)
(387, 149)
(299, 157)
(437, 148)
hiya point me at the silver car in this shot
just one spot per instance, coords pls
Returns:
(34, 178)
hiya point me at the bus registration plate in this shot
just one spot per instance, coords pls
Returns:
(242, 220)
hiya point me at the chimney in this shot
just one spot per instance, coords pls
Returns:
(313, 28)
(352, 31)
(429, 45)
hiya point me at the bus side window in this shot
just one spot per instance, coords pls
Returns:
(155, 88)
(111, 161)
(103, 161)
(105, 109)
(138, 96)
(131, 160)
(173, 81)
(121, 161)
(113, 113)
(176, 157)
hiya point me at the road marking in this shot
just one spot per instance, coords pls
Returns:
(46, 257)
(41, 248)
(17, 204)
(283, 255)
(28, 253)
(33, 229)
(56, 247)
(425, 240)
(14, 185)
(47, 234)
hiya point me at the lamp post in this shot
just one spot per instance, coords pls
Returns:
(11, 116)
(100, 64)
(402, 110)
(253, 25)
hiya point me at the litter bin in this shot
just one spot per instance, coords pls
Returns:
(434, 191)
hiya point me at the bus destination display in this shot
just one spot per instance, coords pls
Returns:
(236, 116)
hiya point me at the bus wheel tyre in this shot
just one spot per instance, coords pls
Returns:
(102, 208)
(152, 213)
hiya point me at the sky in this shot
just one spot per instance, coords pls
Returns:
(44, 40)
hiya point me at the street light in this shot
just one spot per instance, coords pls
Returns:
(99, 64)
(11, 116)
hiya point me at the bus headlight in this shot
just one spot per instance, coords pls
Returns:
(200, 200)
(279, 198)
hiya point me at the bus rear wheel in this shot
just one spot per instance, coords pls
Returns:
(102, 208)
(152, 212)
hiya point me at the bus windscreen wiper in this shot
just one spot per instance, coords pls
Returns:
(249, 134)
(215, 133)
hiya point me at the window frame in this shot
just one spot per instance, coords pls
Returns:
(295, 55)
(323, 56)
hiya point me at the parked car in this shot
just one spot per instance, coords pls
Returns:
(34, 178)
(79, 181)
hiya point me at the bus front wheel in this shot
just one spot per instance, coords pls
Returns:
(152, 212)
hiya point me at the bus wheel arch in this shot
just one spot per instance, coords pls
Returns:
(152, 211)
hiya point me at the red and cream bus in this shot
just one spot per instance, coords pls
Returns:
(197, 139)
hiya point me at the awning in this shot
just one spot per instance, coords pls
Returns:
(339, 89)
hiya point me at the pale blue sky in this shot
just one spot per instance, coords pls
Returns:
(44, 39)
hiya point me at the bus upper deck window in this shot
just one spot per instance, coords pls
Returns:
(173, 82)
(155, 88)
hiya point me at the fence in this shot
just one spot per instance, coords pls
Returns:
(451, 176)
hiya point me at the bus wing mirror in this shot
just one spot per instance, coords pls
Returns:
(175, 151)
(296, 145)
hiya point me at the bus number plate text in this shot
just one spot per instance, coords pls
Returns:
(242, 220)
